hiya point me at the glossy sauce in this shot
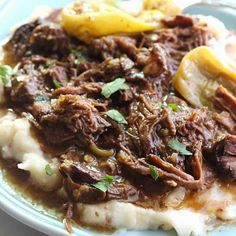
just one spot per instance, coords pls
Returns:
(19, 179)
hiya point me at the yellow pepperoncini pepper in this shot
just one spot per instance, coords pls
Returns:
(85, 19)
(200, 73)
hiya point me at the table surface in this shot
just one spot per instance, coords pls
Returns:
(11, 227)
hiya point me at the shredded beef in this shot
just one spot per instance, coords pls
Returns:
(79, 175)
(178, 21)
(226, 120)
(79, 115)
(49, 39)
(156, 51)
(167, 172)
(59, 85)
(225, 101)
(224, 157)
(151, 127)
(90, 88)
(177, 41)
(24, 91)
(114, 46)
(18, 44)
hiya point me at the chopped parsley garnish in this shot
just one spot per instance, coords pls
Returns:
(41, 98)
(162, 105)
(57, 84)
(28, 53)
(80, 56)
(104, 183)
(173, 106)
(153, 172)
(117, 116)
(49, 64)
(112, 87)
(5, 72)
(48, 170)
(179, 147)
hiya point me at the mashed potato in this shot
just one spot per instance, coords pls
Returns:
(217, 205)
(16, 142)
(224, 42)
(125, 215)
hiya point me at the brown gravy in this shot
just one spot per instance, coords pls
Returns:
(19, 179)
(50, 201)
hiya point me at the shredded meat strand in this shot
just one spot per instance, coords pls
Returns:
(59, 85)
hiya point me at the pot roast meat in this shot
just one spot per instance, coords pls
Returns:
(179, 40)
(49, 39)
(225, 101)
(113, 46)
(178, 21)
(90, 88)
(88, 194)
(82, 192)
(156, 64)
(124, 192)
(18, 45)
(31, 90)
(159, 53)
(24, 91)
(224, 157)
(225, 119)
(60, 87)
(151, 127)
(78, 114)
(166, 172)
(79, 179)
(35, 78)
(80, 173)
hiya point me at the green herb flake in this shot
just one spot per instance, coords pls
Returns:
(104, 183)
(49, 64)
(114, 86)
(28, 53)
(5, 72)
(162, 105)
(153, 172)
(124, 86)
(57, 84)
(41, 98)
(48, 170)
(80, 56)
(173, 106)
(117, 116)
(179, 147)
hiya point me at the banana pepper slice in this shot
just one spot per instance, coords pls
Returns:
(200, 73)
(86, 19)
